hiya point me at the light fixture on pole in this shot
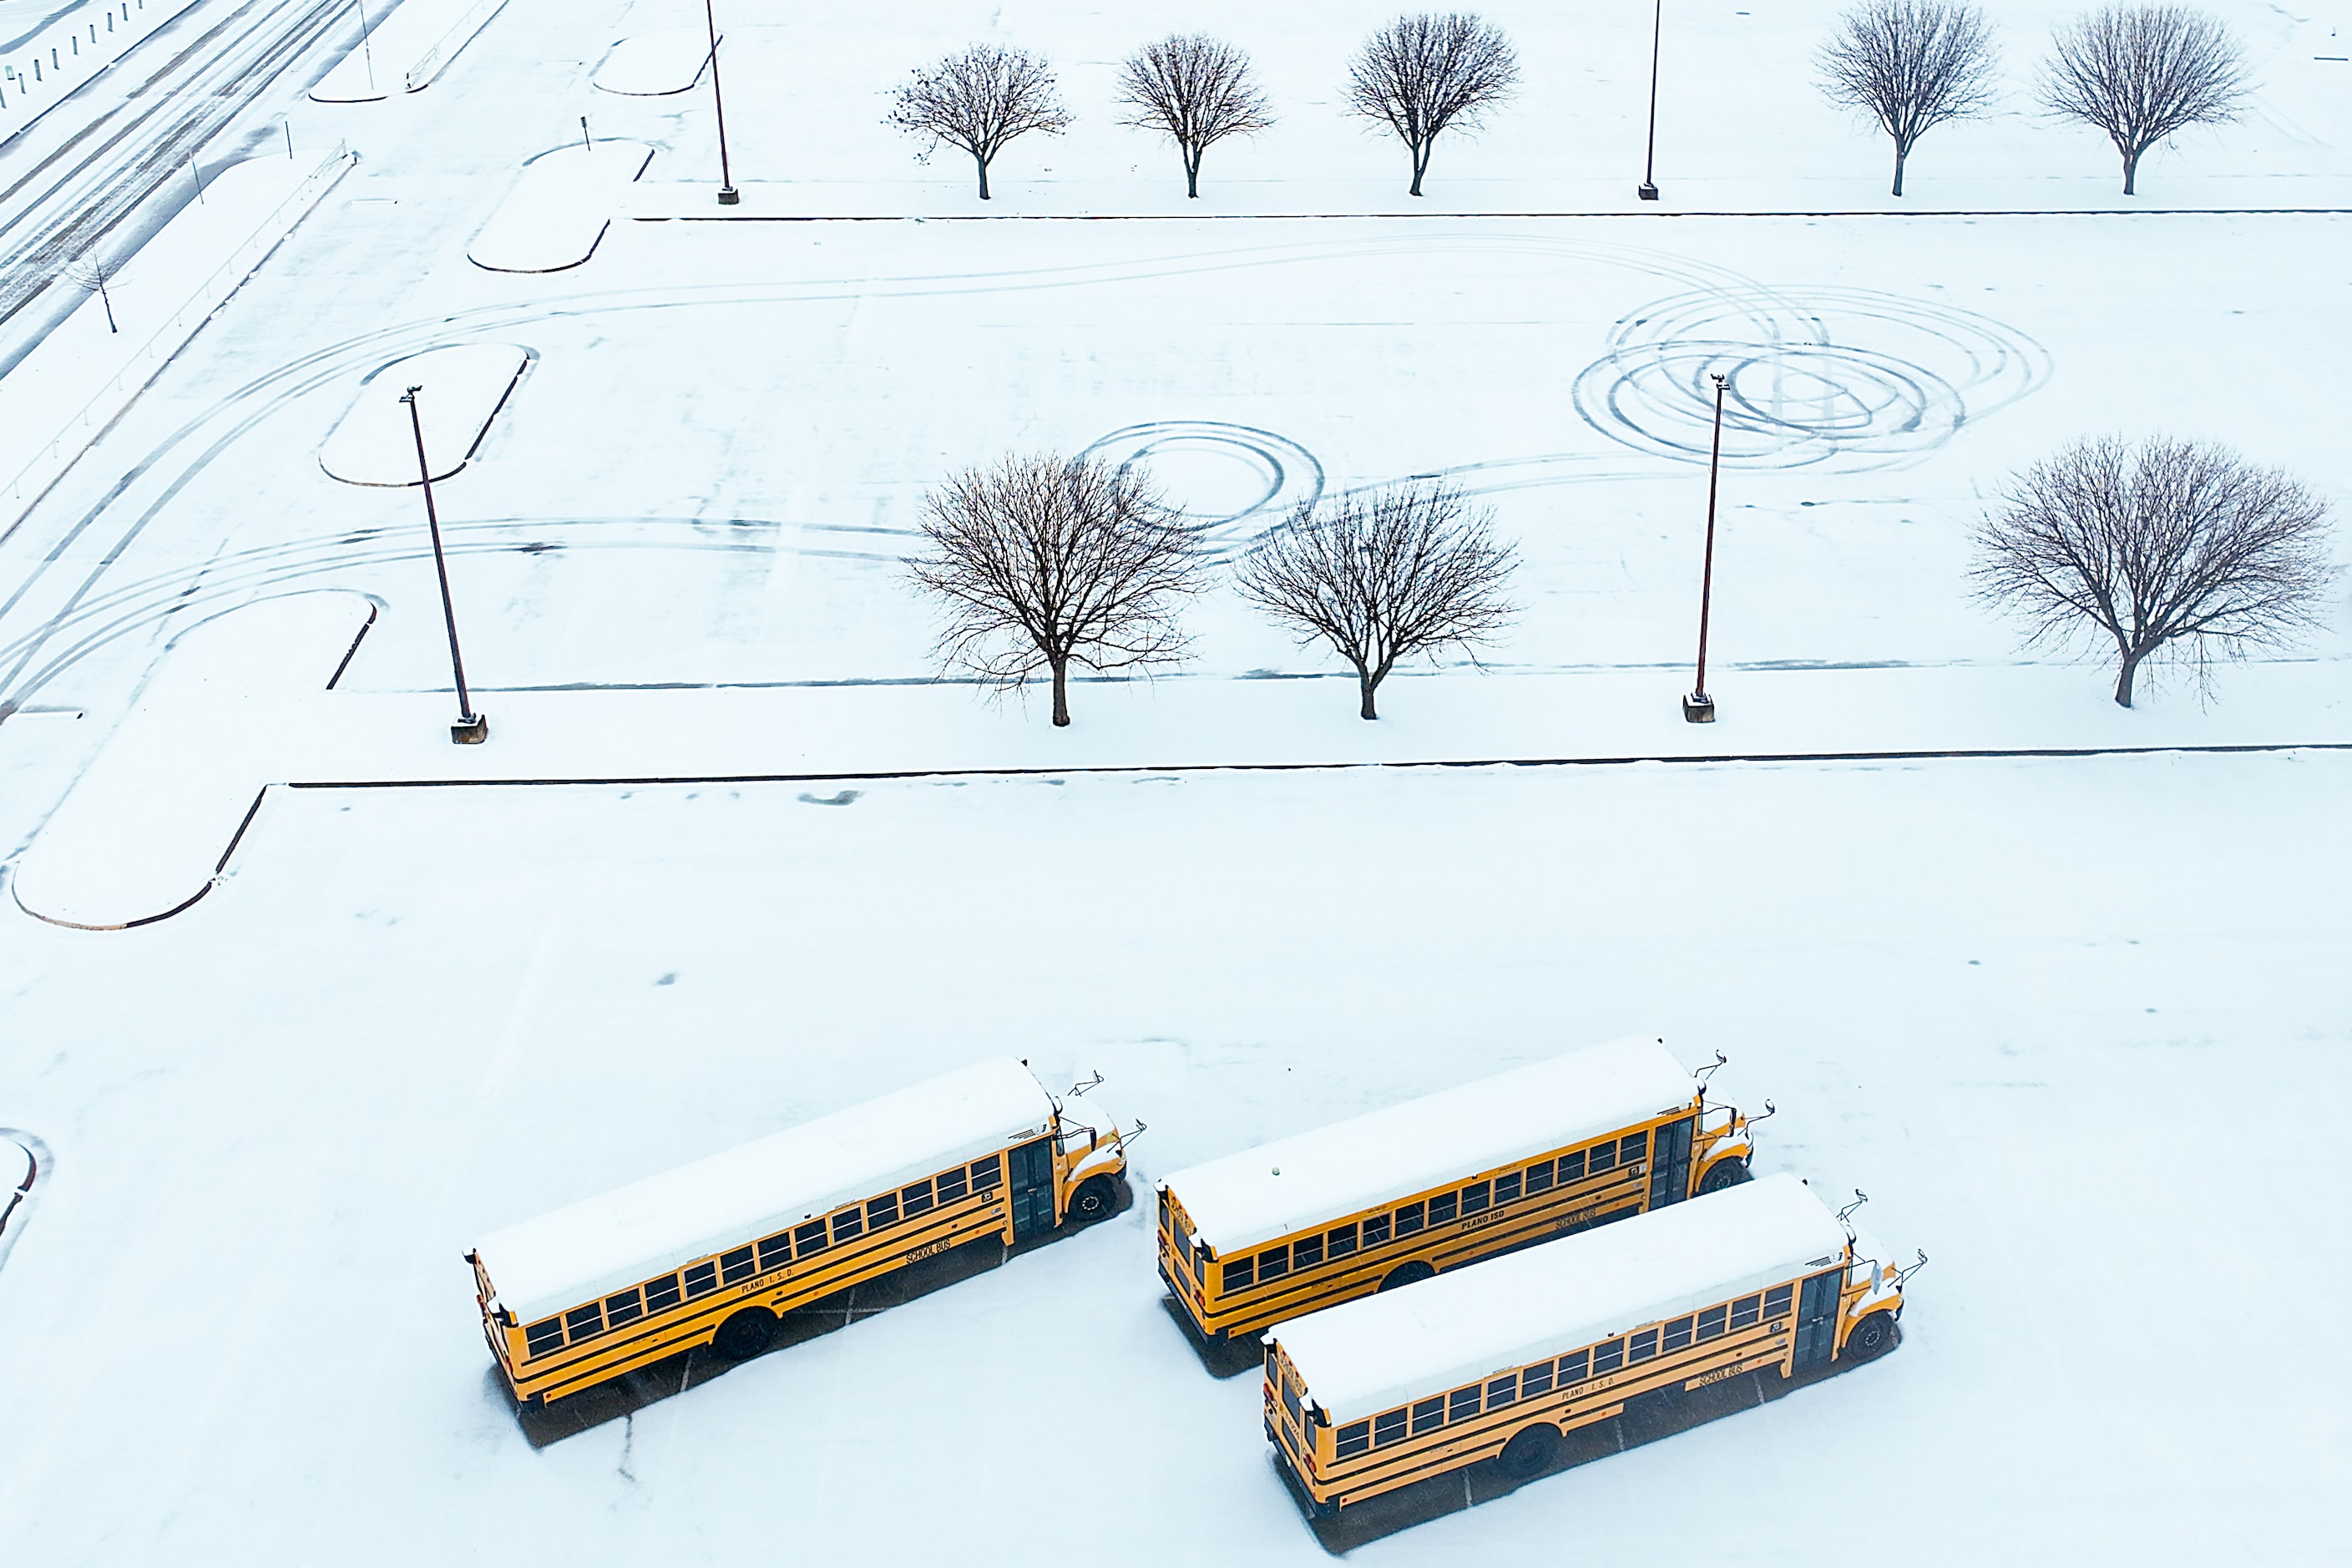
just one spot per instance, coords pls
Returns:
(728, 195)
(1648, 189)
(472, 728)
(1698, 707)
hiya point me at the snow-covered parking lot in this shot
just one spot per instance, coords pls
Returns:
(2070, 1021)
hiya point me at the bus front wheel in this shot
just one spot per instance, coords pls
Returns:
(1093, 1200)
(1412, 1273)
(1725, 1173)
(1530, 1451)
(1872, 1337)
(745, 1334)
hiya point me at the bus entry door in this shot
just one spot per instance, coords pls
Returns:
(1816, 1307)
(1033, 1189)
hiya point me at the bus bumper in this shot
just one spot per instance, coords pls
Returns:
(1297, 1483)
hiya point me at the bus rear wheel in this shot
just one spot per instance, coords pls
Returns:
(745, 1334)
(1530, 1451)
(1404, 1274)
(1093, 1200)
(1872, 1337)
(1725, 1173)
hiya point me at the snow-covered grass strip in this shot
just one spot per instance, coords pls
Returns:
(47, 69)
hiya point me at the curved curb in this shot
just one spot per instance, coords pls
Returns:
(16, 1201)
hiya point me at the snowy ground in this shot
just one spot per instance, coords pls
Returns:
(2059, 1018)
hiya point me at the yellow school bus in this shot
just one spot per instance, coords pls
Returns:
(1498, 1362)
(1397, 1195)
(710, 1253)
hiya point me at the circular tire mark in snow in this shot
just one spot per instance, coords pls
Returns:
(1233, 481)
(1802, 389)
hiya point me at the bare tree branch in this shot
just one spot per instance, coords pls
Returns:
(2142, 72)
(1197, 89)
(1043, 559)
(1420, 74)
(90, 273)
(2181, 549)
(1910, 65)
(979, 101)
(1383, 576)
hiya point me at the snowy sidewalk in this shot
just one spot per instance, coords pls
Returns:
(404, 51)
(241, 703)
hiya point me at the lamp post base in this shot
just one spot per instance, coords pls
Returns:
(1699, 708)
(728, 195)
(471, 731)
(1647, 190)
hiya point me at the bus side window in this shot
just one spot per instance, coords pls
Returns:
(1502, 1390)
(1376, 1231)
(1441, 1209)
(1476, 1197)
(661, 1294)
(987, 1175)
(950, 1184)
(809, 1239)
(848, 1225)
(1353, 1439)
(1428, 1416)
(625, 1308)
(1710, 1324)
(882, 1211)
(1635, 1146)
(736, 1265)
(1307, 1252)
(1536, 1379)
(1340, 1242)
(1273, 1264)
(1645, 1345)
(1408, 1219)
(1743, 1311)
(1507, 1189)
(1237, 1275)
(1677, 1335)
(1574, 1368)
(1538, 1178)
(542, 1337)
(1776, 1300)
(1462, 1404)
(1608, 1358)
(584, 1322)
(702, 1279)
(775, 1251)
(917, 1199)
(1572, 1167)
(1598, 1158)
(1387, 1427)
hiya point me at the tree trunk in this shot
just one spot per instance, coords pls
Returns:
(1061, 693)
(2123, 680)
(1369, 684)
(2131, 174)
(984, 176)
(1900, 153)
(1192, 175)
(1419, 166)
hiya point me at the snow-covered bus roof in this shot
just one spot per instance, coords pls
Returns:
(1373, 1355)
(649, 1227)
(1238, 1202)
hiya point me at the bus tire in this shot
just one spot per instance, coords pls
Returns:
(1093, 1200)
(1871, 1337)
(1530, 1451)
(1404, 1274)
(1725, 1173)
(745, 1334)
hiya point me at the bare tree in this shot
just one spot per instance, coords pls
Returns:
(1197, 89)
(2181, 549)
(2142, 72)
(1384, 576)
(1420, 74)
(1044, 560)
(979, 101)
(1910, 65)
(90, 273)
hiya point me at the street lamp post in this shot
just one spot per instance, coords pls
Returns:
(472, 728)
(1699, 708)
(728, 195)
(1648, 189)
(367, 49)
